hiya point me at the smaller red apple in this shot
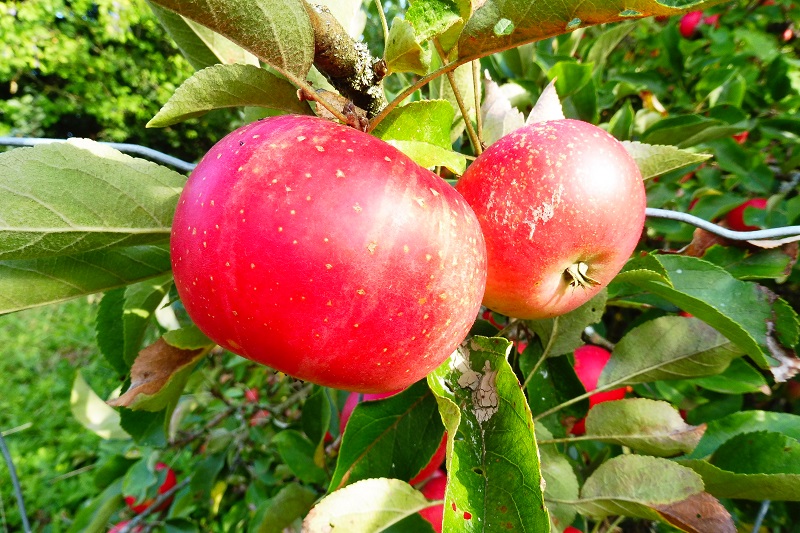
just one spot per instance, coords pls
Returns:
(712, 20)
(119, 527)
(170, 481)
(571, 529)
(741, 138)
(689, 22)
(259, 417)
(589, 364)
(434, 489)
(735, 218)
(251, 396)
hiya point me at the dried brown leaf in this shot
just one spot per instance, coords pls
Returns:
(699, 513)
(152, 370)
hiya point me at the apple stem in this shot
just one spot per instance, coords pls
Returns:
(577, 274)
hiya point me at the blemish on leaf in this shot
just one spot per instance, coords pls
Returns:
(574, 23)
(503, 27)
(630, 13)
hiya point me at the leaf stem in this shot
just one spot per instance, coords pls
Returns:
(473, 136)
(476, 89)
(382, 16)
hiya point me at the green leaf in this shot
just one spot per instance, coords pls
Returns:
(495, 480)
(188, 338)
(668, 347)
(403, 52)
(34, 282)
(561, 483)
(738, 378)
(298, 453)
(758, 487)
(607, 42)
(441, 88)
(563, 334)
(367, 505)
(529, 22)
(631, 485)
(69, 198)
(317, 419)
(761, 452)
(648, 426)
(394, 437)
(688, 130)
(744, 264)
(94, 517)
(554, 383)
(653, 489)
(429, 155)
(426, 121)
(93, 413)
(274, 516)
(621, 124)
(440, 19)
(278, 32)
(724, 429)
(224, 86)
(109, 330)
(201, 46)
(146, 428)
(654, 160)
(742, 311)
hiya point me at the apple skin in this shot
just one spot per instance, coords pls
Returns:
(169, 482)
(571, 529)
(327, 254)
(434, 489)
(689, 23)
(735, 217)
(428, 470)
(589, 364)
(551, 196)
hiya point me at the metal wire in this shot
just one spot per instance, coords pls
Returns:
(15, 482)
(143, 151)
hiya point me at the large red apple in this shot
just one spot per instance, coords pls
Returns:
(562, 206)
(327, 254)
(589, 364)
(170, 480)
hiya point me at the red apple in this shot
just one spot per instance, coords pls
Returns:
(251, 396)
(562, 207)
(259, 417)
(571, 529)
(741, 138)
(735, 218)
(438, 457)
(169, 482)
(119, 527)
(434, 489)
(589, 364)
(327, 254)
(689, 23)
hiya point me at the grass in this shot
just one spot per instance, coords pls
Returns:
(40, 351)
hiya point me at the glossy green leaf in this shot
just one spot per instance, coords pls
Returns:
(145, 427)
(394, 437)
(621, 124)
(278, 32)
(426, 121)
(758, 487)
(429, 155)
(367, 505)
(749, 265)
(738, 378)
(648, 426)
(688, 130)
(654, 160)
(721, 430)
(297, 451)
(63, 199)
(498, 25)
(492, 462)
(760, 452)
(292, 502)
(744, 312)
(224, 86)
(563, 334)
(403, 52)
(668, 347)
(34, 282)
(438, 19)
(316, 418)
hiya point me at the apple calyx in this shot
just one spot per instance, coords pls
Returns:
(577, 274)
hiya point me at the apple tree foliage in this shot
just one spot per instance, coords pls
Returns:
(703, 330)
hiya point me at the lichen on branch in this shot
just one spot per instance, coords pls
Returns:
(346, 63)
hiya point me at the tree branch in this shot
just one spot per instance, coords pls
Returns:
(347, 64)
